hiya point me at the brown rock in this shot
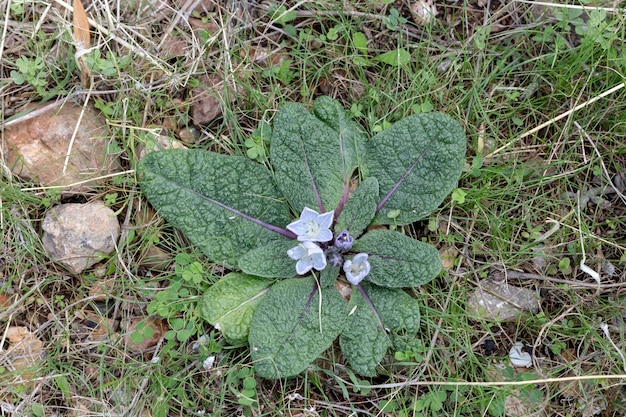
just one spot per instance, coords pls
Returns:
(153, 330)
(77, 234)
(208, 98)
(36, 148)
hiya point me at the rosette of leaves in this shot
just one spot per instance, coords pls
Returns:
(236, 210)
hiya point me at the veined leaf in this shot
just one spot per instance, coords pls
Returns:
(363, 342)
(270, 260)
(328, 275)
(382, 317)
(417, 161)
(359, 209)
(399, 312)
(397, 260)
(396, 58)
(292, 327)
(229, 304)
(314, 155)
(226, 205)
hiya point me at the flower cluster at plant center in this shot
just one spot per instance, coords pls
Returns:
(314, 227)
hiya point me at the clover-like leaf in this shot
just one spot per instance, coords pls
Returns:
(417, 161)
(314, 155)
(397, 260)
(226, 205)
(293, 326)
(229, 304)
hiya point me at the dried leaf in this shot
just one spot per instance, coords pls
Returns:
(24, 352)
(5, 300)
(82, 39)
(448, 255)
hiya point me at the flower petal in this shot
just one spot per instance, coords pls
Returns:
(311, 248)
(304, 265)
(319, 261)
(357, 268)
(311, 226)
(296, 252)
(309, 215)
(298, 227)
(326, 219)
(324, 236)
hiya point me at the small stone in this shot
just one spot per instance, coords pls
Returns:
(518, 357)
(36, 148)
(208, 97)
(423, 11)
(158, 329)
(448, 255)
(501, 301)
(76, 235)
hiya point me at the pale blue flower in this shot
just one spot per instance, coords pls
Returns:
(308, 255)
(357, 268)
(344, 241)
(312, 226)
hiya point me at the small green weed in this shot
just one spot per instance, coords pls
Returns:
(33, 72)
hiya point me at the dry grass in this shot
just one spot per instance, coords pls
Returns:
(542, 102)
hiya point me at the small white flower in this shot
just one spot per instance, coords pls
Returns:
(357, 268)
(312, 226)
(308, 255)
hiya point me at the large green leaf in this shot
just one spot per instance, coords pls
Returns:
(328, 275)
(360, 208)
(314, 155)
(417, 162)
(292, 327)
(397, 260)
(270, 261)
(226, 205)
(383, 316)
(364, 341)
(399, 312)
(229, 303)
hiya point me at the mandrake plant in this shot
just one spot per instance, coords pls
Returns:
(288, 233)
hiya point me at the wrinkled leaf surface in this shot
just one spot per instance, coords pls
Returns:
(397, 260)
(291, 327)
(229, 304)
(215, 200)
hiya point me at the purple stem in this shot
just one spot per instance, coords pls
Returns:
(406, 174)
(279, 230)
(346, 182)
(371, 306)
(343, 200)
(306, 306)
(317, 194)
